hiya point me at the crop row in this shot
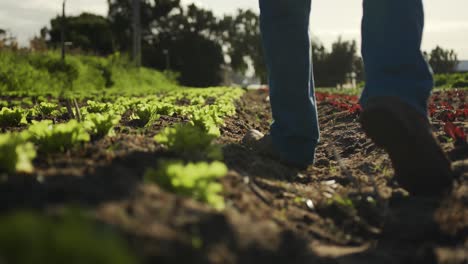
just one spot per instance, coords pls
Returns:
(44, 128)
(448, 107)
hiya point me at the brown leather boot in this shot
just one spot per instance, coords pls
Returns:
(420, 164)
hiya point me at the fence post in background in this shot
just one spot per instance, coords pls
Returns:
(70, 104)
(62, 30)
(136, 51)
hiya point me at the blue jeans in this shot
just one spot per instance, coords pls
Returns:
(391, 39)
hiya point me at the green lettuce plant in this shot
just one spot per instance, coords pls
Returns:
(16, 154)
(207, 119)
(147, 114)
(97, 107)
(46, 109)
(12, 117)
(59, 137)
(195, 180)
(165, 109)
(101, 125)
(190, 142)
(197, 100)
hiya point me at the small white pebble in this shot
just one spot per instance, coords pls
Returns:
(300, 176)
(331, 182)
(310, 204)
(246, 180)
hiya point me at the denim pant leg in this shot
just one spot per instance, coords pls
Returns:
(391, 47)
(285, 32)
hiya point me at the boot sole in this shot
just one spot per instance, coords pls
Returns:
(420, 164)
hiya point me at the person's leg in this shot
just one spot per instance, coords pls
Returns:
(286, 41)
(391, 48)
(399, 83)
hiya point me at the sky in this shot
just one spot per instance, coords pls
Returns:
(446, 20)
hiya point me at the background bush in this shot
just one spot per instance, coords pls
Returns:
(454, 80)
(45, 72)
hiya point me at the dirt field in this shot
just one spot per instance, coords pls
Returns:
(345, 209)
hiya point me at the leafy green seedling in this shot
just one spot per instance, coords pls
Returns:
(208, 120)
(189, 141)
(97, 107)
(147, 114)
(57, 138)
(199, 100)
(101, 125)
(12, 117)
(165, 109)
(196, 180)
(46, 109)
(16, 154)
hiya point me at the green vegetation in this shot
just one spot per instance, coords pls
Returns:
(30, 238)
(442, 61)
(101, 125)
(59, 137)
(165, 108)
(332, 68)
(454, 80)
(146, 114)
(441, 81)
(46, 109)
(97, 107)
(208, 119)
(91, 33)
(190, 40)
(354, 91)
(11, 117)
(197, 180)
(16, 154)
(190, 142)
(142, 94)
(45, 73)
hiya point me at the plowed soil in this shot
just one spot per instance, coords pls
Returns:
(344, 209)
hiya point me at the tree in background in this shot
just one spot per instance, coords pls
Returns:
(442, 61)
(186, 42)
(358, 69)
(7, 40)
(153, 14)
(333, 68)
(88, 32)
(240, 35)
(341, 60)
(176, 38)
(193, 42)
(320, 64)
(198, 60)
